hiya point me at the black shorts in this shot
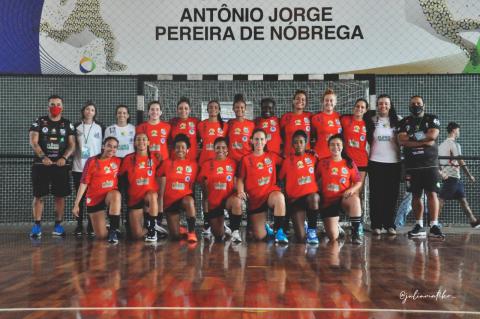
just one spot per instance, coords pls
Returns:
(214, 213)
(97, 208)
(423, 179)
(175, 207)
(262, 209)
(51, 180)
(333, 210)
(362, 168)
(299, 203)
(138, 205)
(452, 188)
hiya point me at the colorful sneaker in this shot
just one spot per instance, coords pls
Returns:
(357, 235)
(78, 230)
(475, 224)
(270, 232)
(58, 230)
(151, 235)
(417, 231)
(312, 238)
(436, 232)
(36, 231)
(192, 237)
(183, 231)
(236, 237)
(227, 230)
(280, 237)
(113, 237)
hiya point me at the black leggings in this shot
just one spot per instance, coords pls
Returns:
(77, 176)
(384, 184)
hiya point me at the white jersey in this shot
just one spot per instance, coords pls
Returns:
(89, 143)
(384, 147)
(450, 148)
(125, 136)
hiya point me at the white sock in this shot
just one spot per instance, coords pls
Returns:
(434, 222)
(419, 222)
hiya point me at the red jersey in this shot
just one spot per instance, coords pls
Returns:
(140, 172)
(355, 136)
(219, 178)
(325, 125)
(299, 174)
(260, 177)
(208, 132)
(271, 126)
(290, 123)
(157, 136)
(100, 175)
(336, 178)
(189, 128)
(239, 134)
(180, 175)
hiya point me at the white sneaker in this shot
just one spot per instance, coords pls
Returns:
(236, 238)
(341, 232)
(391, 231)
(227, 230)
(207, 232)
(161, 230)
(376, 231)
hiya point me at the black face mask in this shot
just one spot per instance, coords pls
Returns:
(416, 109)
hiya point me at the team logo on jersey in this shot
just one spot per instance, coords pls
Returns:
(311, 170)
(333, 188)
(220, 186)
(71, 127)
(273, 129)
(220, 131)
(107, 169)
(211, 131)
(245, 130)
(308, 160)
(436, 122)
(229, 178)
(362, 138)
(141, 165)
(304, 180)
(307, 128)
(273, 122)
(334, 171)
(265, 125)
(89, 200)
(330, 123)
(45, 130)
(154, 133)
(270, 170)
(263, 181)
(178, 186)
(260, 165)
(123, 133)
(268, 161)
(183, 126)
(306, 120)
(149, 172)
(237, 146)
(300, 164)
(113, 166)
(356, 129)
(191, 124)
(141, 181)
(191, 132)
(298, 122)
(107, 184)
(162, 140)
(188, 169)
(179, 169)
(343, 180)
(187, 178)
(337, 121)
(364, 129)
(237, 131)
(219, 170)
(62, 132)
(54, 131)
(163, 131)
(244, 138)
(344, 170)
(96, 135)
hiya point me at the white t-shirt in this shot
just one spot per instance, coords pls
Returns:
(125, 136)
(89, 143)
(384, 147)
(450, 148)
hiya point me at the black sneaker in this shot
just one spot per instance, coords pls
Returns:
(78, 231)
(417, 231)
(112, 237)
(90, 232)
(436, 232)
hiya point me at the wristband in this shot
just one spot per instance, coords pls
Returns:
(66, 159)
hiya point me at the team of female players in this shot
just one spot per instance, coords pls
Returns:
(238, 161)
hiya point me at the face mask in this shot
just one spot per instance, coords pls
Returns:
(55, 110)
(416, 109)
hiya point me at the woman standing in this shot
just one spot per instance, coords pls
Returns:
(139, 169)
(325, 124)
(355, 136)
(89, 143)
(123, 131)
(156, 130)
(99, 180)
(184, 124)
(270, 124)
(240, 130)
(340, 186)
(257, 182)
(176, 189)
(296, 120)
(384, 164)
(209, 130)
(301, 188)
(217, 178)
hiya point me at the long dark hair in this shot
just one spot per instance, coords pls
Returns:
(219, 117)
(368, 117)
(149, 163)
(344, 154)
(109, 138)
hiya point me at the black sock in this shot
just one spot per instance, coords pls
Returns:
(159, 218)
(114, 222)
(312, 216)
(278, 222)
(191, 224)
(58, 222)
(355, 221)
(235, 221)
(38, 222)
(151, 220)
(206, 224)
